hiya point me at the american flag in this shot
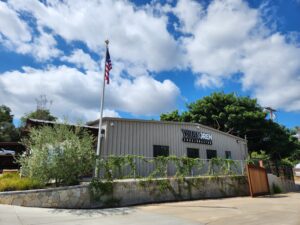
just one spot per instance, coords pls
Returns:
(108, 66)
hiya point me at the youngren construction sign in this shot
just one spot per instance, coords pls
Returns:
(196, 137)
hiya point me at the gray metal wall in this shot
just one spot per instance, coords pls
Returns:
(137, 137)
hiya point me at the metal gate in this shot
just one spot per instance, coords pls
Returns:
(258, 180)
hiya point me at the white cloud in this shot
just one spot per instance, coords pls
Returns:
(217, 40)
(42, 48)
(190, 12)
(81, 60)
(137, 36)
(16, 36)
(76, 95)
(233, 38)
(11, 27)
(214, 47)
(143, 95)
(206, 81)
(272, 71)
(109, 113)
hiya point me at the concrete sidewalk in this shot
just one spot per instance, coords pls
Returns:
(281, 209)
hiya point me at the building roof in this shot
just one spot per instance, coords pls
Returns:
(61, 123)
(95, 122)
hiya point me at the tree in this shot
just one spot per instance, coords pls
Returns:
(172, 116)
(226, 112)
(8, 132)
(240, 116)
(60, 152)
(40, 114)
(42, 111)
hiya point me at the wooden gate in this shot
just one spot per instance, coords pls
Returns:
(258, 180)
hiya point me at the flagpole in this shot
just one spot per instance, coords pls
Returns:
(100, 122)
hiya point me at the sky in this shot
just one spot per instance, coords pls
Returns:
(165, 55)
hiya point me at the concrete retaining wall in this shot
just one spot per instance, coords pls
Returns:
(131, 192)
(285, 185)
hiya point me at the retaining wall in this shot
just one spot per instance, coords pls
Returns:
(285, 185)
(130, 192)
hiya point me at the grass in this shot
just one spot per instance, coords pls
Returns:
(13, 182)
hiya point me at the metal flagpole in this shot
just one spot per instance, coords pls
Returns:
(100, 120)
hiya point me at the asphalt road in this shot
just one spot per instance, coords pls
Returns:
(281, 209)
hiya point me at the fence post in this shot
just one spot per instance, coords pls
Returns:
(134, 172)
(261, 163)
(167, 169)
(242, 167)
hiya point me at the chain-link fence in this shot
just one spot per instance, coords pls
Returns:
(120, 167)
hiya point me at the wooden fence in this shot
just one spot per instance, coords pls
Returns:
(258, 180)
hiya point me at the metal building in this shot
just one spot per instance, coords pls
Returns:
(151, 138)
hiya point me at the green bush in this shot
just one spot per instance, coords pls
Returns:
(13, 182)
(276, 189)
(59, 153)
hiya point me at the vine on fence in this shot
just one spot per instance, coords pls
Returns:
(113, 167)
(160, 167)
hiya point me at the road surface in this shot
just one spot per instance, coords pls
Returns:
(283, 209)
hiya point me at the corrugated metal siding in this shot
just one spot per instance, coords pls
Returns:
(138, 138)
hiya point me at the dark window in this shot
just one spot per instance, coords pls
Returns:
(228, 154)
(211, 154)
(160, 150)
(193, 152)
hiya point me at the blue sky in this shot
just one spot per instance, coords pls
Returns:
(165, 54)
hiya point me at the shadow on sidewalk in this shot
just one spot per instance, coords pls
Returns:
(273, 196)
(95, 212)
(202, 206)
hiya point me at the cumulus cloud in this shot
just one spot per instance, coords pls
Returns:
(11, 26)
(81, 60)
(16, 35)
(43, 47)
(110, 113)
(190, 12)
(216, 41)
(77, 95)
(229, 38)
(121, 21)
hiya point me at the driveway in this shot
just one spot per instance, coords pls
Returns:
(281, 209)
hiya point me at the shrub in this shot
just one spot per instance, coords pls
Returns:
(276, 189)
(13, 182)
(58, 153)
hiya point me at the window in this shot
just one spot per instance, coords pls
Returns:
(160, 150)
(211, 154)
(193, 153)
(228, 154)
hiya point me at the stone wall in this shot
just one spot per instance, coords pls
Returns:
(131, 192)
(63, 197)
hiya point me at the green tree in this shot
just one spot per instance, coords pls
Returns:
(278, 140)
(240, 116)
(172, 116)
(60, 153)
(8, 132)
(40, 114)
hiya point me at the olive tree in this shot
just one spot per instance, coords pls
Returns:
(58, 153)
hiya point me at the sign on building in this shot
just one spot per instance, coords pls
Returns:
(196, 137)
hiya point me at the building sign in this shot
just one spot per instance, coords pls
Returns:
(196, 137)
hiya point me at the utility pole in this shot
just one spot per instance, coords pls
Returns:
(271, 111)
